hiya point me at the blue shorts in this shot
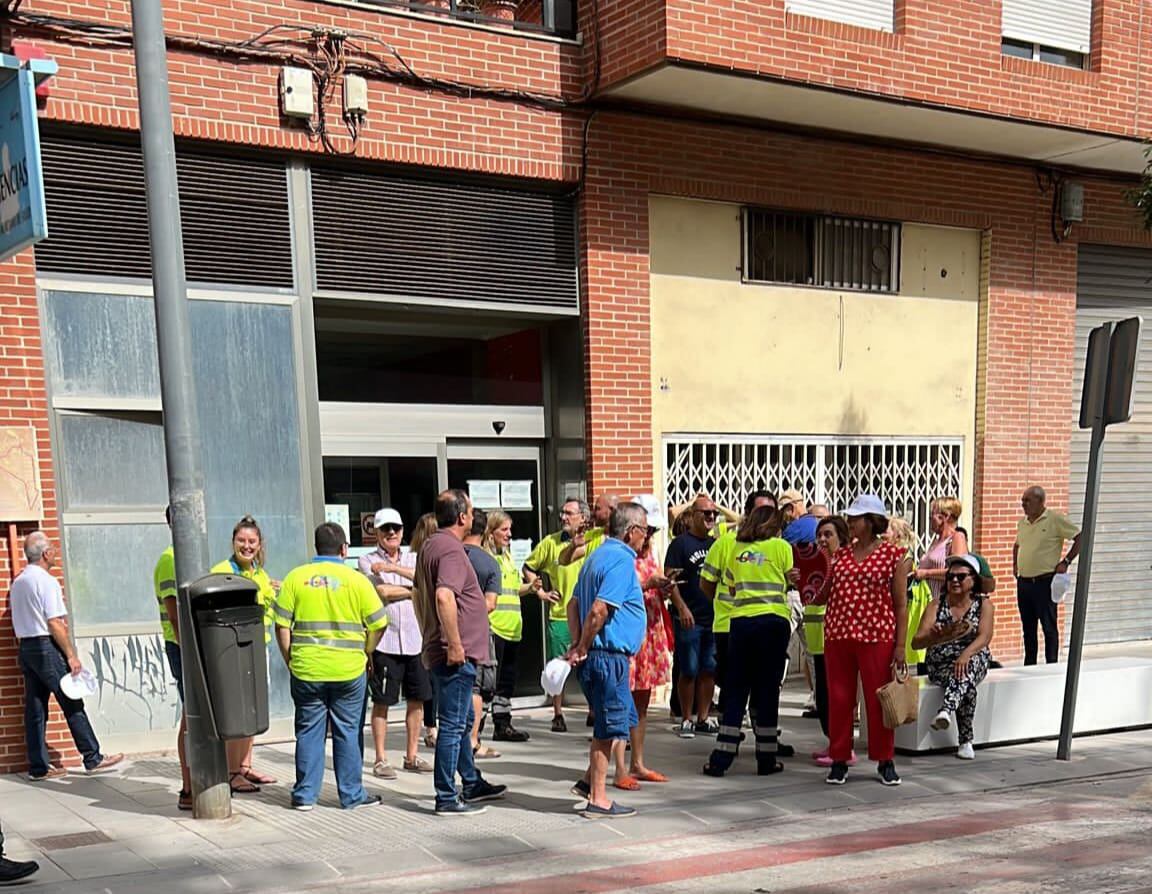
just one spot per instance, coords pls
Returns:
(604, 679)
(176, 665)
(695, 651)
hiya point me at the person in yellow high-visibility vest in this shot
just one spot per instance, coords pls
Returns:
(758, 575)
(507, 622)
(329, 619)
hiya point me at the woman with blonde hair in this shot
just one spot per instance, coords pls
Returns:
(943, 518)
(247, 561)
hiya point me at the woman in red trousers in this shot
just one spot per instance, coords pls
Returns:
(865, 630)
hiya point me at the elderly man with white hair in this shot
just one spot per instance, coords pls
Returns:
(47, 656)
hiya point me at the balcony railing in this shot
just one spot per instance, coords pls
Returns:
(540, 16)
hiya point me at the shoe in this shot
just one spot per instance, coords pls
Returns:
(484, 791)
(559, 724)
(184, 800)
(589, 720)
(509, 733)
(460, 808)
(826, 760)
(301, 806)
(783, 750)
(713, 771)
(687, 730)
(419, 765)
(887, 772)
(370, 801)
(109, 761)
(384, 770)
(838, 775)
(966, 752)
(768, 767)
(53, 773)
(14, 870)
(708, 727)
(581, 789)
(613, 811)
(810, 713)
(941, 721)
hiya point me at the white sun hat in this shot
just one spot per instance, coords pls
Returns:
(867, 504)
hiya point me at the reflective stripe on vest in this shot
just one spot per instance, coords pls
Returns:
(300, 640)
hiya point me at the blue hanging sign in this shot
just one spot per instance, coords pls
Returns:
(23, 217)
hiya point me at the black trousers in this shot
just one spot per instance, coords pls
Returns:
(1034, 599)
(506, 660)
(821, 691)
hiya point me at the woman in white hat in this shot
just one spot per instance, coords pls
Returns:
(957, 628)
(865, 633)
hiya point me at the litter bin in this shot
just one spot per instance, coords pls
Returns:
(228, 620)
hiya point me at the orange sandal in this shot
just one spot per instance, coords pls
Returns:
(650, 776)
(628, 783)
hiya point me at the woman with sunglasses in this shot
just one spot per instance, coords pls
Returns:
(956, 629)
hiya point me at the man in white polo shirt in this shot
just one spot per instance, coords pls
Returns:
(40, 620)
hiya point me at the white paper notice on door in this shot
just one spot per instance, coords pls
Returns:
(521, 550)
(516, 494)
(485, 494)
(337, 513)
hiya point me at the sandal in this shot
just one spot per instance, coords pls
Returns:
(257, 778)
(649, 776)
(245, 788)
(628, 783)
(483, 752)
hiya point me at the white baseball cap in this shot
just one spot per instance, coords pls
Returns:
(387, 517)
(651, 505)
(82, 685)
(964, 559)
(867, 504)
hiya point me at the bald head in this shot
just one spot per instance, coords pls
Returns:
(602, 511)
(36, 545)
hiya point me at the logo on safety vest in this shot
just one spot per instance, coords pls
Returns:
(752, 556)
(321, 581)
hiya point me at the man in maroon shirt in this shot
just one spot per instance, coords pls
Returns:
(453, 620)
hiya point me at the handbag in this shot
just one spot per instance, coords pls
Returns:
(899, 700)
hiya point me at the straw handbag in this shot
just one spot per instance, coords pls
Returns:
(899, 700)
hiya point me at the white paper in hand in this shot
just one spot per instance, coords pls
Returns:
(1060, 586)
(554, 675)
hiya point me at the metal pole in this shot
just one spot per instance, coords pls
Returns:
(1083, 576)
(207, 762)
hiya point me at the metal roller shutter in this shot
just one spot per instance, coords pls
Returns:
(1066, 24)
(439, 240)
(865, 13)
(1114, 283)
(234, 213)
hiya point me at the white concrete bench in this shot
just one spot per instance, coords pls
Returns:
(1017, 704)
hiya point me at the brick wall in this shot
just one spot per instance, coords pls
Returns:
(23, 402)
(943, 53)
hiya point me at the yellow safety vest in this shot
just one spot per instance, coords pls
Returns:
(506, 620)
(328, 607)
(756, 573)
(719, 554)
(814, 628)
(164, 584)
(258, 576)
(545, 558)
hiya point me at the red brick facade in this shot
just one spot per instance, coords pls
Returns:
(941, 53)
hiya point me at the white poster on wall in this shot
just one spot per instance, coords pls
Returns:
(485, 494)
(337, 513)
(516, 494)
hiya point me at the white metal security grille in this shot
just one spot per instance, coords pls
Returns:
(1066, 24)
(906, 474)
(866, 13)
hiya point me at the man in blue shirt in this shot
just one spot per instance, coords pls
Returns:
(608, 621)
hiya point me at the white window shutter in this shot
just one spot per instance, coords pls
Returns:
(865, 13)
(1063, 24)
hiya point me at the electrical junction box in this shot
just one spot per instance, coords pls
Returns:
(355, 95)
(296, 92)
(1072, 201)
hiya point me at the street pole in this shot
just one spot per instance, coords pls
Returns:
(207, 762)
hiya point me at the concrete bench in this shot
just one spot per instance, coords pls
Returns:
(1018, 704)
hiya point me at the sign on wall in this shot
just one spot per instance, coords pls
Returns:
(20, 495)
(23, 218)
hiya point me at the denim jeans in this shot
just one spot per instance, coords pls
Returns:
(44, 666)
(453, 686)
(317, 705)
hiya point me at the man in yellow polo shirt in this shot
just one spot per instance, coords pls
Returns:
(1037, 555)
(328, 622)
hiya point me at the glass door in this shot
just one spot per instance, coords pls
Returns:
(507, 477)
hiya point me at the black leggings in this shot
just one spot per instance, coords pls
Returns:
(506, 654)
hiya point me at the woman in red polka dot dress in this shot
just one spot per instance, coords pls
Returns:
(865, 629)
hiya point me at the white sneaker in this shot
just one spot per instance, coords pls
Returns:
(941, 721)
(966, 752)
(687, 730)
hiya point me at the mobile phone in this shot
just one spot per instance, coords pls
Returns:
(675, 575)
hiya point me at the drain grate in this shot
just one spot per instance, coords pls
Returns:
(64, 842)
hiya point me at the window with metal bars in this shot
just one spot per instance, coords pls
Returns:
(821, 250)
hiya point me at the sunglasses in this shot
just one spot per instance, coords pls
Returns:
(953, 576)
(390, 529)
(709, 513)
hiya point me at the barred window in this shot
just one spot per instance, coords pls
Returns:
(821, 250)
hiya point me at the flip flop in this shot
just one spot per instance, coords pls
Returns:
(628, 783)
(246, 789)
(650, 776)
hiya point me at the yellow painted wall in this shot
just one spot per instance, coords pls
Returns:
(729, 357)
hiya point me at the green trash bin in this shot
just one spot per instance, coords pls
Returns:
(229, 628)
